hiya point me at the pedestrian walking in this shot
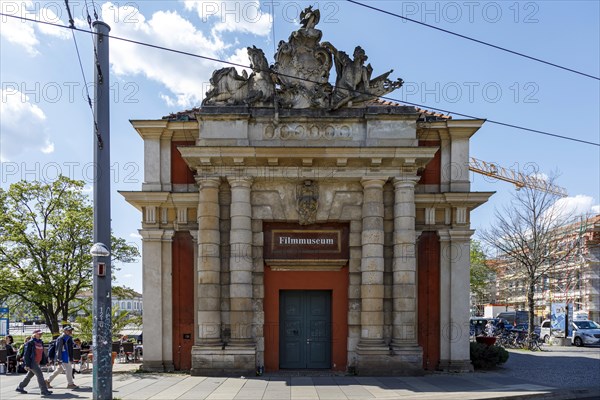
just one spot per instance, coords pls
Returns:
(34, 357)
(64, 358)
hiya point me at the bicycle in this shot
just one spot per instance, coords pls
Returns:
(535, 342)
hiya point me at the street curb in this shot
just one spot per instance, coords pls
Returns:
(560, 394)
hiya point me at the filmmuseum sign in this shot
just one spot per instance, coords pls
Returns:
(319, 246)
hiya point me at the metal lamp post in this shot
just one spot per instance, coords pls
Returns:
(102, 324)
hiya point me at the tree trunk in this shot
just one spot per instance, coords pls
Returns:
(531, 305)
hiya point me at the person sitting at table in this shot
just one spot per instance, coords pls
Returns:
(11, 354)
(124, 339)
(85, 352)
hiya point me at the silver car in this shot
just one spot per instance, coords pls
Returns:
(585, 333)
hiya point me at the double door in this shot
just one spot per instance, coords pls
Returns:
(305, 329)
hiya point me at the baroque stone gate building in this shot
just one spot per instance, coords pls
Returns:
(290, 224)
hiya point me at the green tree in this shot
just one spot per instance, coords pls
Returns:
(481, 273)
(120, 320)
(46, 232)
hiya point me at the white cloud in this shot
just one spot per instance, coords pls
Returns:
(135, 235)
(181, 74)
(23, 33)
(22, 126)
(48, 15)
(570, 207)
(233, 16)
(17, 31)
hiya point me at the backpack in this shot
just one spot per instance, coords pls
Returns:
(52, 350)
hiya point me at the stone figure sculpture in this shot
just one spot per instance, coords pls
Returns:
(307, 197)
(300, 76)
(353, 81)
(302, 66)
(231, 88)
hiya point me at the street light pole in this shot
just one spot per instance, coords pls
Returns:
(102, 324)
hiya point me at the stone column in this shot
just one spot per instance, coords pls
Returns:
(460, 263)
(209, 264)
(372, 267)
(152, 314)
(404, 311)
(448, 332)
(240, 262)
(167, 299)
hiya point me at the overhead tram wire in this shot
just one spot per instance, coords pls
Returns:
(474, 40)
(87, 91)
(308, 80)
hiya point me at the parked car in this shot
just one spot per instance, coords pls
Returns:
(585, 333)
(525, 327)
(515, 317)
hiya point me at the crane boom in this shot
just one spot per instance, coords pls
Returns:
(517, 178)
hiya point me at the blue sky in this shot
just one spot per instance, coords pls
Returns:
(46, 122)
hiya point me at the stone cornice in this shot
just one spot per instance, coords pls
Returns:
(236, 156)
(143, 199)
(184, 199)
(161, 199)
(455, 128)
(164, 129)
(467, 199)
(461, 234)
(149, 129)
(151, 235)
(452, 199)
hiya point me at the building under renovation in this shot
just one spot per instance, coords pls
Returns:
(291, 223)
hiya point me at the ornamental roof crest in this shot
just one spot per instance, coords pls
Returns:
(300, 76)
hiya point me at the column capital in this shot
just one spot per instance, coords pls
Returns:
(208, 181)
(402, 182)
(194, 235)
(240, 181)
(151, 235)
(461, 235)
(373, 182)
(444, 235)
(168, 235)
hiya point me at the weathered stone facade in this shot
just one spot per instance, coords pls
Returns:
(388, 175)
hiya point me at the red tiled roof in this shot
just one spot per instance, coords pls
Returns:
(190, 115)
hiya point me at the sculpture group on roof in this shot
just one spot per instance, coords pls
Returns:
(300, 76)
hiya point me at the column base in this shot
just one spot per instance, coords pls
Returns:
(152, 366)
(229, 361)
(456, 365)
(404, 361)
(169, 366)
(241, 344)
(372, 347)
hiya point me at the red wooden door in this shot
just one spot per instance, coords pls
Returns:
(183, 300)
(428, 266)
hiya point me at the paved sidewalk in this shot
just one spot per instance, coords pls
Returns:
(558, 373)
(138, 386)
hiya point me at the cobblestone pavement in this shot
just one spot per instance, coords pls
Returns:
(566, 367)
(560, 373)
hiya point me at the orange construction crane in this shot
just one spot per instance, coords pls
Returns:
(516, 178)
